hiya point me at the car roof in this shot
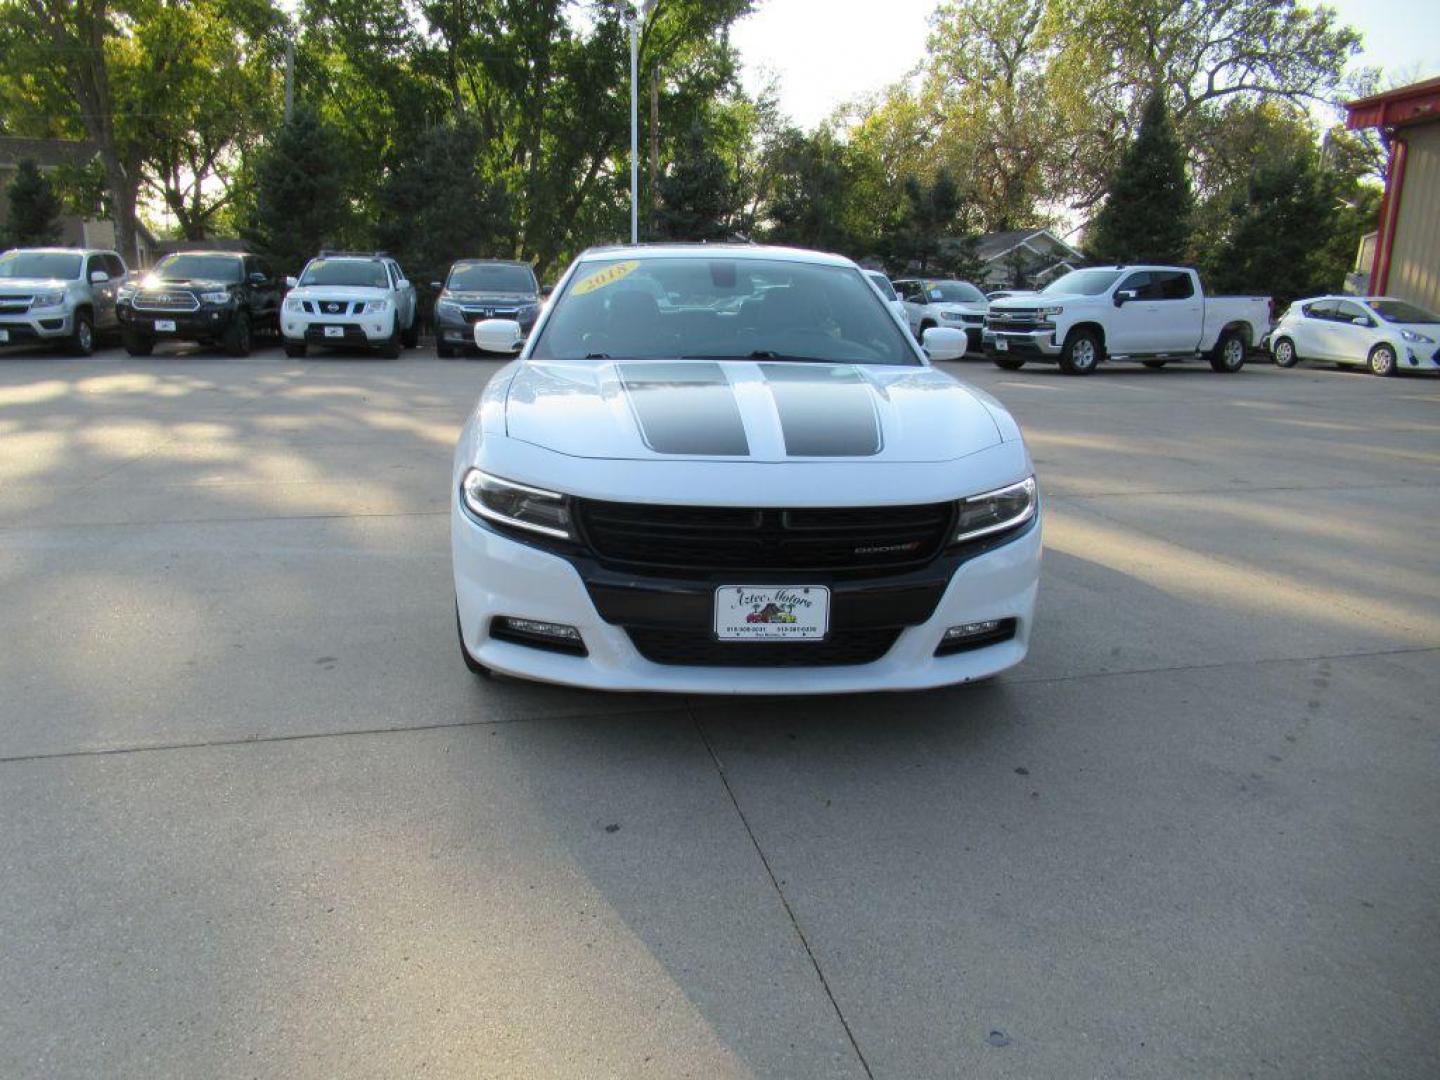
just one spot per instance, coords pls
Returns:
(208, 254)
(491, 262)
(61, 250)
(729, 251)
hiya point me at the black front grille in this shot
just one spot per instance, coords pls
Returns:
(13, 305)
(698, 648)
(706, 538)
(1017, 319)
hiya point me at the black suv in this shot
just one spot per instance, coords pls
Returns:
(219, 296)
(478, 289)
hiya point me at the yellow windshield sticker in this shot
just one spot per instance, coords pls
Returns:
(608, 276)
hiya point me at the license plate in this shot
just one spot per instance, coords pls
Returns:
(164, 326)
(4, 336)
(771, 613)
(334, 331)
(1001, 345)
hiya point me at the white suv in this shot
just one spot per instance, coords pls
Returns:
(350, 299)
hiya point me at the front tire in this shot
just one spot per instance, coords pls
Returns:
(1382, 360)
(1007, 363)
(411, 337)
(445, 352)
(294, 349)
(391, 349)
(1283, 352)
(138, 344)
(1081, 354)
(1229, 354)
(82, 338)
(236, 341)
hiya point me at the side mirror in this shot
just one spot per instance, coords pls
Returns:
(292, 283)
(1123, 295)
(437, 285)
(944, 343)
(499, 335)
(404, 284)
(99, 277)
(1361, 320)
(258, 278)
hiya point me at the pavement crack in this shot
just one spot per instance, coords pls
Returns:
(780, 892)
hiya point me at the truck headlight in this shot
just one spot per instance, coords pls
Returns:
(214, 297)
(447, 305)
(953, 316)
(1046, 312)
(47, 299)
(517, 505)
(374, 307)
(295, 307)
(996, 510)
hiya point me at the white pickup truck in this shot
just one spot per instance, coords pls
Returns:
(1154, 314)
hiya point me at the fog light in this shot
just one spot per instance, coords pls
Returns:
(540, 635)
(975, 635)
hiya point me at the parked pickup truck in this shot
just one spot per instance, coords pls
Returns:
(1154, 314)
(60, 295)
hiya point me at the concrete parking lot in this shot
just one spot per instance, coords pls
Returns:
(256, 818)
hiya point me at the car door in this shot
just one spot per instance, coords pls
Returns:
(1181, 317)
(264, 296)
(1135, 324)
(912, 294)
(1308, 332)
(404, 298)
(1350, 341)
(102, 295)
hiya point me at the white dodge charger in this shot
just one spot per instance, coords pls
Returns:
(728, 469)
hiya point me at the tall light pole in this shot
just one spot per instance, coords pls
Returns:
(632, 20)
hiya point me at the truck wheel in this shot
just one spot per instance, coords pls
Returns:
(81, 341)
(1008, 363)
(1229, 354)
(1081, 354)
(294, 349)
(391, 349)
(411, 336)
(236, 341)
(1283, 352)
(1382, 360)
(138, 344)
(445, 352)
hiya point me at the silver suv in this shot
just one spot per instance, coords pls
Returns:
(60, 295)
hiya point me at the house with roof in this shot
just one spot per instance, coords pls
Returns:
(1024, 258)
(1405, 259)
(75, 230)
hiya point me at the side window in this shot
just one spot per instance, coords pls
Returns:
(1321, 309)
(1346, 311)
(1173, 285)
(394, 270)
(116, 265)
(263, 267)
(1139, 283)
(93, 263)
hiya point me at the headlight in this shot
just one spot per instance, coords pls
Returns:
(517, 505)
(296, 306)
(1046, 312)
(981, 515)
(48, 299)
(1421, 339)
(214, 297)
(446, 305)
(374, 307)
(953, 316)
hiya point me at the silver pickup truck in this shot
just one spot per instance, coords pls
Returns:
(60, 295)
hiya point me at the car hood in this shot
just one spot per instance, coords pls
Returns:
(203, 284)
(1029, 303)
(975, 308)
(34, 284)
(744, 410)
(349, 292)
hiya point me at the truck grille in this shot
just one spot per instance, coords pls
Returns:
(699, 648)
(693, 539)
(475, 314)
(13, 304)
(159, 300)
(1013, 319)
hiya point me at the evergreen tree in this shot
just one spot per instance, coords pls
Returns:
(436, 207)
(34, 217)
(698, 200)
(923, 237)
(300, 192)
(811, 186)
(1146, 216)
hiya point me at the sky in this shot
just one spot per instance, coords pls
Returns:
(827, 52)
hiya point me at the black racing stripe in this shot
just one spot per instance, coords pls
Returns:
(685, 408)
(824, 411)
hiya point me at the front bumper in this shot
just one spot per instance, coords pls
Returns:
(202, 324)
(362, 330)
(1027, 343)
(46, 325)
(458, 330)
(499, 576)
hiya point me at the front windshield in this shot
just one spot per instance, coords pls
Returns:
(198, 268)
(953, 292)
(355, 273)
(1082, 283)
(712, 307)
(1398, 311)
(40, 264)
(491, 277)
(883, 284)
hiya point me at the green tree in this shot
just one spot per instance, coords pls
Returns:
(301, 203)
(436, 206)
(697, 198)
(1146, 216)
(34, 214)
(811, 192)
(923, 236)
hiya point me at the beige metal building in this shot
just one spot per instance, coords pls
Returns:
(1407, 251)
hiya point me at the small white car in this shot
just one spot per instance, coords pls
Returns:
(955, 304)
(350, 299)
(887, 290)
(1379, 332)
(759, 487)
